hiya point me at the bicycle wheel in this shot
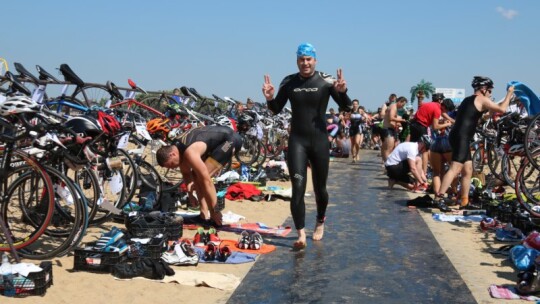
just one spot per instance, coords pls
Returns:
(86, 181)
(478, 160)
(249, 152)
(25, 228)
(510, 166)
(68, 223)
(494, 158)
(111, 193)
(150, 178)
(130, 173)
(92, 95)
(159, 103)
(527, 185)
(532, 140)
(27, 209)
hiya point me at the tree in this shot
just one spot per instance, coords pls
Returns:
(425, 88)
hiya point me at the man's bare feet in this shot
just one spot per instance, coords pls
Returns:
(318, 232)
(301, 241)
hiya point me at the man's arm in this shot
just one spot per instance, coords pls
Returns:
(415, 172)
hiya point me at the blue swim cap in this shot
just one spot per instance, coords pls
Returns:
(306, 49)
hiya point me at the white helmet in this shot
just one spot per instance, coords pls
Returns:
(223, 120)
(18, 104)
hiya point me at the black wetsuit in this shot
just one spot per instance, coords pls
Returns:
(462, 132)
(308, 140)
(219, 140)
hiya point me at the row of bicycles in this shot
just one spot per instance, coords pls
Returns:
(508, 147)
(71, 161)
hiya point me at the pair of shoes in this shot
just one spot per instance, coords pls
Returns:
(119, 246)
(247, 241)
(419, 189)
(145, 267)
(182, 254)
(216, 253)
(202, 238)
(108, 239)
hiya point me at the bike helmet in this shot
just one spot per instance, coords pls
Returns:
(448, 104)
(109, 124)
(158, 125)
(437, 96)
(84, 124)
(223, 120)
(18, 104)
(426, 140)
(481, 81)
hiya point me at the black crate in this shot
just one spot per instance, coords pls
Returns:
(172, 231)
(89, 259)
(35, 284)
(153, 249)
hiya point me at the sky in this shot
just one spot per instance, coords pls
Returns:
(226, 47)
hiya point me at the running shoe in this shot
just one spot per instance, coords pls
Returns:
(200, 238)
(109, 238)
(244, 241)
(212, 236)
(224, 253)
(256, 241)
(210, 252)
(180, 256)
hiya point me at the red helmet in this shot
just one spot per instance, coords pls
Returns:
(109, 124)
(532, 240)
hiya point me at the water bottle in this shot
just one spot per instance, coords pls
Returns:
(7, 276)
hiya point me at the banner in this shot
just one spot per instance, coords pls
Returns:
(457, 95)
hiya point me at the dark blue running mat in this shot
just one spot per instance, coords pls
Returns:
(374, 250)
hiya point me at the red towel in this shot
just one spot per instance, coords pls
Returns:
(241, 191)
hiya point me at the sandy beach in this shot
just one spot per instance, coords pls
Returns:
(465, 244)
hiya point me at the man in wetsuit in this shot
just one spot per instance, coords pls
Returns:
(309, 92)
(469, 111)
(200, 153)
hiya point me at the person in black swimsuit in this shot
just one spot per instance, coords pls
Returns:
(309, 92)
(469, 111)
(200, 153)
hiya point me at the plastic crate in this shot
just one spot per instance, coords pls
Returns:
(153, 249)
(172, 231)
(88, 259)
(35, 284)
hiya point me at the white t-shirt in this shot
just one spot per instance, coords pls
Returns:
(403, 151)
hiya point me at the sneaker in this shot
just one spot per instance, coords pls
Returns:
(243, 242)
(200, 238)
(224, 253)
(256, 241)
(212, 236)
(119, 246)
(488, 223)
(441, 204)
(187, 247)
(419, 189)
(109, 238)
(210, 252)
(179, 256)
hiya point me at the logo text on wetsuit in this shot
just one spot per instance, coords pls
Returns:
(306, 89)
(226, 146)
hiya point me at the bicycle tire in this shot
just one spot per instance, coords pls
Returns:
(130, 173)
(532, 140)
(47, 201)
(494, 162)
(69, 220)
(249, 152)
(86, 181)
(92, 95)
(527, 186)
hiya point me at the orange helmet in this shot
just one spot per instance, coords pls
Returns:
(158, 126)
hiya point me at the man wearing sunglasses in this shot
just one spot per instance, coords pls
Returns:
(469, 111)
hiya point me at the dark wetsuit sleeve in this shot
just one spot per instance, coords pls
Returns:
(342, 99)
(276, 105)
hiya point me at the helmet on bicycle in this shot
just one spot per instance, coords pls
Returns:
(109, 124)
(426, 140)
(223, 120)
(481, 81)
(84, 124)
(448, 104)
(158, 125)
(18, 104)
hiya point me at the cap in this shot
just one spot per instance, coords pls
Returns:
(306, 49)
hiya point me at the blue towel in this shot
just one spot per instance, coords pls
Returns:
(528, 98)
(236, 257)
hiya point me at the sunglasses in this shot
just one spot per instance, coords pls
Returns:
(489, 91)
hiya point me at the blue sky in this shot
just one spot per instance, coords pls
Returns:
(225, 47)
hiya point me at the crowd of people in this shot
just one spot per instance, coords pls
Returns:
(412, 144)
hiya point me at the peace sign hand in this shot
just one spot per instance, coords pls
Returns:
(340, 84)
(268, 88)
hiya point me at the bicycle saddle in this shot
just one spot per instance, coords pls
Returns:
(16, 85)
(44, 75)
(24, 72)
(70, 76)
(113, 90)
